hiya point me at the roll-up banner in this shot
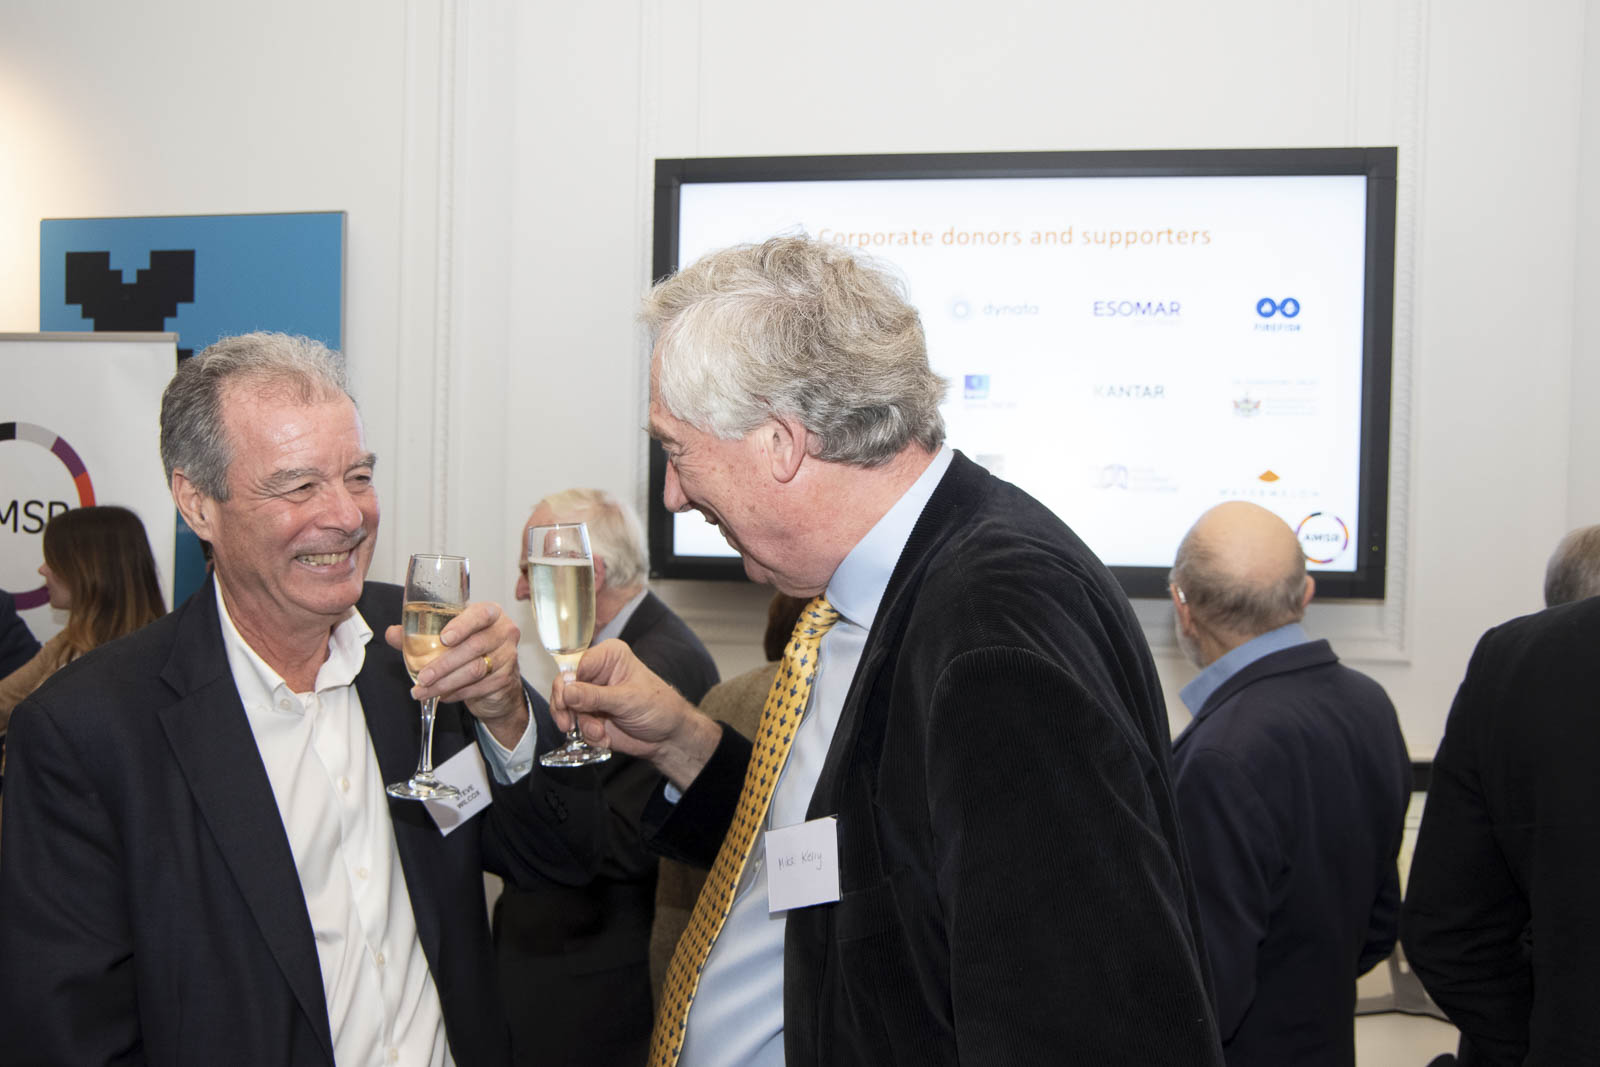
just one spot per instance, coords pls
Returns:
(79, 426)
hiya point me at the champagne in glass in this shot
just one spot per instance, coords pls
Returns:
(561, 586)
(424, 621)
(562, 591)
(436, 592)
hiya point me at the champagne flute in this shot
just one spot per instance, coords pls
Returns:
(561, 587)
(436, 592)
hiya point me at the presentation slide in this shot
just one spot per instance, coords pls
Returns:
(1131, 351)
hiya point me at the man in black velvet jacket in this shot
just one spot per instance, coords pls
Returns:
(985, 723)
(1292, 782)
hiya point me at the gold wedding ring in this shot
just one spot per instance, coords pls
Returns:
(488, 665)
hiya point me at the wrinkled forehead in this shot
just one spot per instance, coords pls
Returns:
(261, 423)
(279, 386)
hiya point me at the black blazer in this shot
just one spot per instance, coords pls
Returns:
(1292, 783)
(1499, 918)
(574, 961)
(1013, 889)
(150, 910)
(17, 643)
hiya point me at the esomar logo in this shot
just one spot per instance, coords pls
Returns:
(28, 511)
(1323, 537)
(1138, 309)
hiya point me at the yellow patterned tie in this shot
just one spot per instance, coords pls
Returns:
(780, 718)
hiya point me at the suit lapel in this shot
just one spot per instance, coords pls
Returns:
(943, 513)
(216, 751)
(643, 619)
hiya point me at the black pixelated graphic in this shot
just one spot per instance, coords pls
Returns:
(112, 304)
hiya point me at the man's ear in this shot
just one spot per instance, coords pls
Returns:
(785, 440)
(1311, 591)
(197, 509)
(599, 575)
(1180, 606)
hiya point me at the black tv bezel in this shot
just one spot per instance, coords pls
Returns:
(1378, 164)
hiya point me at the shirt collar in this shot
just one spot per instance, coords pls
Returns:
(347, 651)
(620, 619)
(859, 582)
(1197, 692)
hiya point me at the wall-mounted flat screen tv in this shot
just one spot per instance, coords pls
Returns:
(1132, 337)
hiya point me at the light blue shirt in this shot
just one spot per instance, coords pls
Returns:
(736, 1019)
(1197, 692)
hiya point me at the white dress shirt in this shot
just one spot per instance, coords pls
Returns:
(382, 1004)
(736, 1019)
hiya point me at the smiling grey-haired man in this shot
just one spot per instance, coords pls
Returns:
(200, 863)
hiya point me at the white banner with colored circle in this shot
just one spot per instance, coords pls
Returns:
(79, 425)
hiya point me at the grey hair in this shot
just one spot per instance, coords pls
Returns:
(615, 534)
(800, 328)
(1224, 602)
(1573, 572)
(193, 437)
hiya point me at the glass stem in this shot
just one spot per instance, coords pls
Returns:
(425, 760)
(574, 735)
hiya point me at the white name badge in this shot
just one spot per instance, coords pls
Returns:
(465, 771)
(803, 864)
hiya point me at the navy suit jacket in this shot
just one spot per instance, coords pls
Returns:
(1500, 917)
(1013, 887)
(17, 643)
(150, 909)
(574, 962)
(1292, 783)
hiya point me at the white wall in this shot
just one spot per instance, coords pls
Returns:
(496, 158)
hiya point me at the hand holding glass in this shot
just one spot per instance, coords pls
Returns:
(561, 586)
(436, 592)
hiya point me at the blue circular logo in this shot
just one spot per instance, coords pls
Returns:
(1288, 307)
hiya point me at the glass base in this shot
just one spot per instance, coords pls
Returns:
(575, 754)
(420, 788)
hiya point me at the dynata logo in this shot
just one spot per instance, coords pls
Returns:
(29, 516)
